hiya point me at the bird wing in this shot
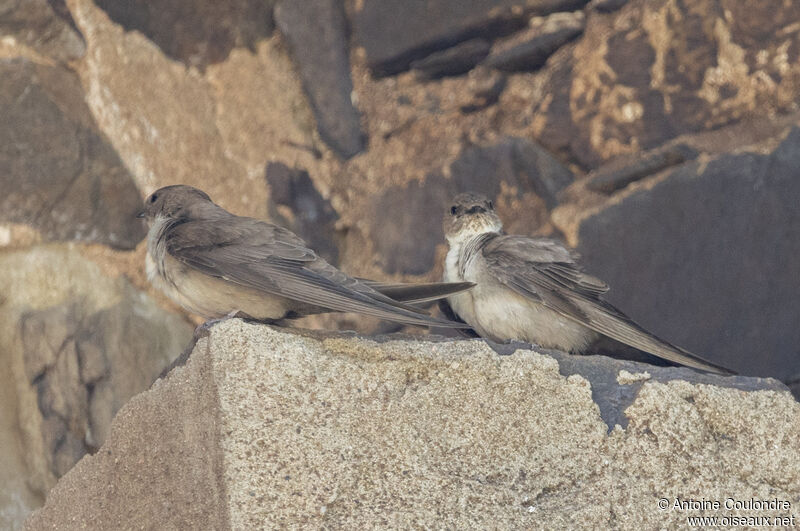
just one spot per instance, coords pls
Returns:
(271, 259)
(545, 271)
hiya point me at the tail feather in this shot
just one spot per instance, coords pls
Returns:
(610, 322)
(418, 293)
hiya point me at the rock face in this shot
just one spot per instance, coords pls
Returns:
(511, 170)
(654, 70)
(276, 429)
(392, 42)
(44, 25)
(58, 172)
(681, 263)
(76, 346)
(528, 50)
(197, 33)
(317, 34)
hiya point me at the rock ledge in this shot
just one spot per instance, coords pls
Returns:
(268, 428)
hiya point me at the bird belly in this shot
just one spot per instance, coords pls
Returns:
(213, 297)
(502, 315)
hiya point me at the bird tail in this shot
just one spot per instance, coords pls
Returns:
(611, 322)
(418, 293)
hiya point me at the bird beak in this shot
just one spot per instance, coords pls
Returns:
(140, 214)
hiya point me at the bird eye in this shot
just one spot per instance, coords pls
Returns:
(153, 198)
(453, 210)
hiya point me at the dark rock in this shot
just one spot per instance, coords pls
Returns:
(516, 162)
(453, 61)
(396, 32)
(317, 35)
(607, 6)
(58, 172)
(407, 226)
(528, 50)
(195, 32)
(312, 216)
(46, 26)
(707, 254)
(623, 108)
(621, 173)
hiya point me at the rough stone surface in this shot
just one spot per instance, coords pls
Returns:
(720, 259)
(197, 33)
(484, 87)
(76, 346)
(276, 429)
(58, 172)
(317, 35)
(46, 26)
(655, 69)
(528, 50)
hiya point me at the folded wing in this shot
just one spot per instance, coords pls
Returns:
(271, 259)
(545, 271)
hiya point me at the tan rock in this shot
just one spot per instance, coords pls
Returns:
(267, 428)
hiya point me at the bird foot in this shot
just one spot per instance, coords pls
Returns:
(201, 331)
(204, 329)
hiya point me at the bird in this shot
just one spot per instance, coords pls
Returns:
(533, 290)
(216, 264)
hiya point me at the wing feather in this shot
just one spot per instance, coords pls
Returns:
(545, 271)
(271, 259)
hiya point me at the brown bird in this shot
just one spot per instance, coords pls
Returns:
(214, 263)
(532, 289)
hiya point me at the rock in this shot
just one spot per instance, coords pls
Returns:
(59, 173)
(46, 26)
(196, 33)
(485, 87)
(410, 229)
(529, 49)
(317, 35)
(513, 168)
(620, 173)
(518, 163)
(76, 346)
(305, 212)
(395, 32)
(214, 128)
(705, 250)
(606, 6)
(276, 428)
(454, 61)
(186, 420)
(654, 70)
